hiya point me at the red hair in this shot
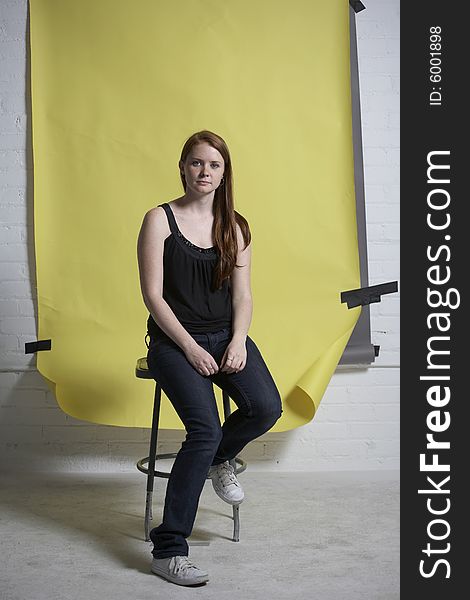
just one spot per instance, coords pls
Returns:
(224, 230)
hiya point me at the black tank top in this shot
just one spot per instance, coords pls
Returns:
(187, 285)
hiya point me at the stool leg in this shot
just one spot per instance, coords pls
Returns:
(151, 463)
(226, 401)
(236, 508)
(236, 523)
(236, 512)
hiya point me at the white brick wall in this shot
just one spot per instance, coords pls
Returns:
(357, 425)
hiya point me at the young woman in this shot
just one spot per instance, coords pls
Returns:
(194, 259)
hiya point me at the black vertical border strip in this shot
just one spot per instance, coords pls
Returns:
(424, 129)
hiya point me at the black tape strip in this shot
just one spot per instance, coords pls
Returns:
(356, 5)
(31, 347)
(368, 295)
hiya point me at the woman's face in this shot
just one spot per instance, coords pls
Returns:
(203, 164)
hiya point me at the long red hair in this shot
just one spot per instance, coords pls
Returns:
(224, 231)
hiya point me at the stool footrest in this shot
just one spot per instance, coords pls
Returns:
(166, 474)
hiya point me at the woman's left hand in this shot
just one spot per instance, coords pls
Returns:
(234, 358)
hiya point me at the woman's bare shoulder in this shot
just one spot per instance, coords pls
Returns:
(155, 220)
(155, 212)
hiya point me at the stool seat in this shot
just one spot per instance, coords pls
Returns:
(142, 372)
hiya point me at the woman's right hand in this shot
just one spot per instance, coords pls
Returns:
(201, 360)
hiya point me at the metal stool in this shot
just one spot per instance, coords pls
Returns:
(143, 372)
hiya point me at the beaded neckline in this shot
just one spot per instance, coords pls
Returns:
(210, 250)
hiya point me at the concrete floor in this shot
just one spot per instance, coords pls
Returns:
(327, 536)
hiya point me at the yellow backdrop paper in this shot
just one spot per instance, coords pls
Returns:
(117, 87)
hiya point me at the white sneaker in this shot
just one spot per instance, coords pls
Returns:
(225, 483)
(180, 570)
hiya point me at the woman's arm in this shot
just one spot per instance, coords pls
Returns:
(150, 246)
(235, 355)
(242, 302)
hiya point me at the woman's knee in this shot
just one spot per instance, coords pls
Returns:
(269, 411)
(207, 432)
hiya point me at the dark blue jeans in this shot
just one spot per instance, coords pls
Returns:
(207, 442)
